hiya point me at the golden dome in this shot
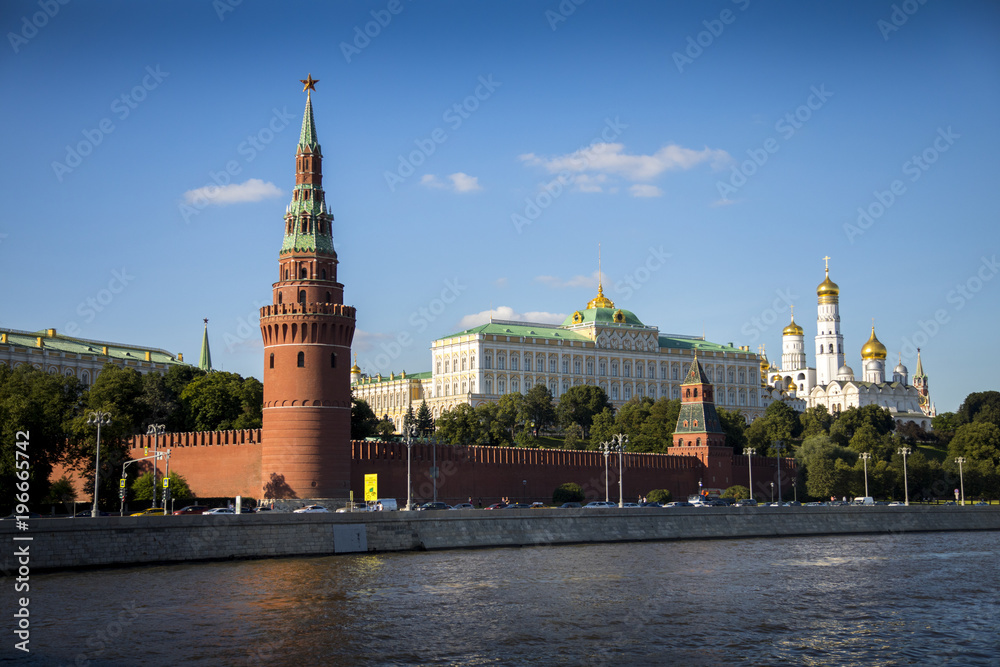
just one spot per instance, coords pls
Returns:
(828, 288)
(873, 349)
(355, 368)
(764, 364)
(793, 329)
(600, 301)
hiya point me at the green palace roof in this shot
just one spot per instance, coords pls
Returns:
(374, 379)
(51, 340)
(528, 330)
(603, 316)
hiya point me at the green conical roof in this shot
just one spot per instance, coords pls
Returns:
(205, 361)
(307, 137)
(695, 374)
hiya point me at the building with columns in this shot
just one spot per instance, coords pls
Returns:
(832, 383)
(597, 345)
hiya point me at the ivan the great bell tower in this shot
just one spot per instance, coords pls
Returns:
(307, 332)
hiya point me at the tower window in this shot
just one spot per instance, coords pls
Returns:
(302, 360)
(286, 274)
(333, 360)
(302, 296)
(324, 274)
(272, 360)
(303, 272)
(328, 297)
(279, 297)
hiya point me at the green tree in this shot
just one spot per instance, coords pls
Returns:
(977, 441)
(221, 401)
(815, 421)
(734, 423)
(39, 406)
(819, 456)
(580, 404)
(538, 407)
(662, 421)
(409, 420)
(946, 422)
(737, 492)
(425, 422)
(632, 420)
(981, 406)
(364, 423)
(851, 419)
(780, 422)
(142, 487)
(603, 428)
(570, 492)
(659, 496)
(572, 436)
(61, 491)
(459, 426)
(512, 413)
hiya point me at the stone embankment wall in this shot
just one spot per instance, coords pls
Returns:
(59, 544)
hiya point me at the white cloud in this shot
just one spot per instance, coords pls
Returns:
(364, 341)
(460, 182)
(592, 165)
(507, 313)
(500, 282)
(645, 190)
(576, 281)
(251, 190)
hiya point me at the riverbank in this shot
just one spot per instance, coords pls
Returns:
(61, 544)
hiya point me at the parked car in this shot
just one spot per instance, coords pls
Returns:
(152, 511)
(981, 503)
(192, 509)
(517, 506)
(746, 502)
(496, 506)
(895, 503)
(679, 503)
(218, 510)
(631, 505)
(537, 505)
(433, 506)
(311, 509)
(650, 503)
(599, 504)
(463, 506)
(570, 505)
(87, 513)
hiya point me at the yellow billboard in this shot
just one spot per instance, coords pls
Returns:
(371, 488)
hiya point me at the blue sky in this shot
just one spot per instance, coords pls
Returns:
(477, 153)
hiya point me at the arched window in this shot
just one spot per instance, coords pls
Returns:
(488, 386)
(614, 392)
(279, 297)
(333, 360)
(590, 367)
(627, 392)
(286, 274)
(687, 394)
(472, 362)
(303, 272)
(513, 367)
(302, 360)
(488, 364)
(272, 360)
(323, 273)
(447, 365)
(576, 366)
(627, 369)
(302, 296)
(464, 360)
(328, 299)
(696, 393)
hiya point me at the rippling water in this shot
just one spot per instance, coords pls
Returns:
(917, 599)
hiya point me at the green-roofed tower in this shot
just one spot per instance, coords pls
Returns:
(698, 423)
(205, 360)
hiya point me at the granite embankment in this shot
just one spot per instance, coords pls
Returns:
(58, 544)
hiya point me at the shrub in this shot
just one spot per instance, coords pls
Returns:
(736, 492)
(570, 492)
(659, 496)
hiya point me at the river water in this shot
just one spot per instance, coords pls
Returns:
(911, 599)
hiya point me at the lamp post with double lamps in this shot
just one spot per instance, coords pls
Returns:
(622, 442)
(960, 460)
(156, 430)
(410, 432)
(748, 452)
(779, 446)
(865, 456)
(606, 449)
(905, 451)
(98, 418)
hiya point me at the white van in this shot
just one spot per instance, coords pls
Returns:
(864, 500)
(388, 504)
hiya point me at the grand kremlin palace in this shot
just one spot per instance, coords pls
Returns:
(599, 345)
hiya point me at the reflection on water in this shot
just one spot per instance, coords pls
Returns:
(852, 600)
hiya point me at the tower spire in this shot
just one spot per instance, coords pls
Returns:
(205, 360)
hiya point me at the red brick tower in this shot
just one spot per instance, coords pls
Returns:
(699, 432)
(306, 448)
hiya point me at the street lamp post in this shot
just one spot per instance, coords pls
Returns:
(434, 466)
(905, 451)
(772, 492)
(778, 447)
(748, 453)
(865, 456)
(98, 418)
(960, 460)
(606, 449)
(622, 441)
(410, 432)
(156, 430)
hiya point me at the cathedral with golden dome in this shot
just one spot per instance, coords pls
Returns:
(832, 383)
